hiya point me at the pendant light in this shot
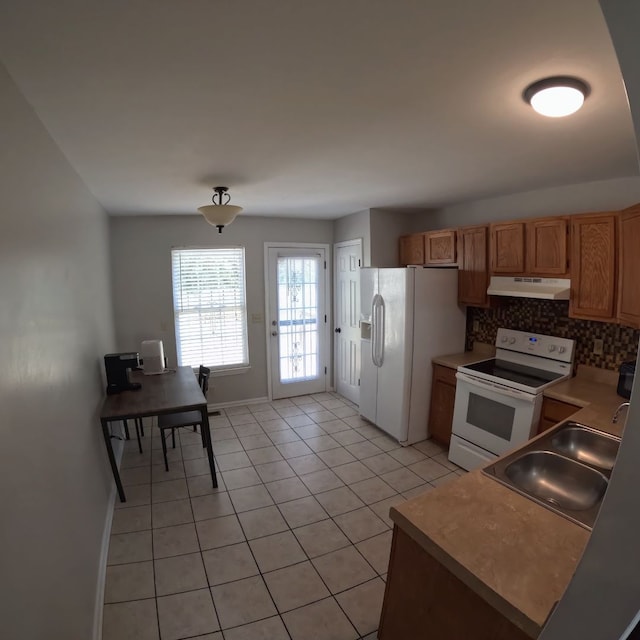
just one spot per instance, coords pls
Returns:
(556, 97)
(220, 213)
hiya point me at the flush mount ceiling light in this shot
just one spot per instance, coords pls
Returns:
(220, 213)
(556, 97)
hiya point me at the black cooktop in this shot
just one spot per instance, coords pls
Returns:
(513, 372)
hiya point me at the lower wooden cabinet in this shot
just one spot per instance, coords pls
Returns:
(443, 394)
(423, 600)
(554, 411)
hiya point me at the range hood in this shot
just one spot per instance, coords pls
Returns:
(542, 288)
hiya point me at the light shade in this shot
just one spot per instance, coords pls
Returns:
(220, 213)
(556, 97)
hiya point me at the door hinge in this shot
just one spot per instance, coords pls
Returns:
(325, 264)
(359, 263)
(325, 371)
(325, 317)
(358, 381)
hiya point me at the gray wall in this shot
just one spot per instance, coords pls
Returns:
(55, 325)
(604, 195)
(354, 226)
(141, 276)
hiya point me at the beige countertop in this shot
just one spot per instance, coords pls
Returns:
(595, 391)
(514, 553)
(481, 351)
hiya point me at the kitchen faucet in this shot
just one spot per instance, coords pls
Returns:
(618, 410)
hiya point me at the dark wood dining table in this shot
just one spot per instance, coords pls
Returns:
(171, 392)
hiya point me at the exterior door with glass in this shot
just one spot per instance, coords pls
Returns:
(296, 320)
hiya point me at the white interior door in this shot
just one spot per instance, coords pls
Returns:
(296, 320)
(348, 260)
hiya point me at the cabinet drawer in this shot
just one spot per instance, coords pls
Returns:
(556, 410)
(444, 374)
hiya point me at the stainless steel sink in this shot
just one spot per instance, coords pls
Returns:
(586, 445)
(557, 480)
(566, 470)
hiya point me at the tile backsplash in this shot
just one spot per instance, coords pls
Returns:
(552, 318)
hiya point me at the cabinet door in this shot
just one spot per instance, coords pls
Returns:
(554, 411)
(629, 267)
(412, 249)
(507, 248)
(547, 247)
(473, 274)
(443, 394)
(593, 267)
(440, 247)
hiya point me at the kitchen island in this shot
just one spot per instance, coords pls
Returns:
(474, 559)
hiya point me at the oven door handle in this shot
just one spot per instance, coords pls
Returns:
(497, 388)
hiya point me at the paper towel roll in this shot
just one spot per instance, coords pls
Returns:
(152, 354)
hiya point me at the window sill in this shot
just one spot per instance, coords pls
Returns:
(235, 371)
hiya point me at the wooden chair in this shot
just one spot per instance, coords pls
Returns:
(172, 421)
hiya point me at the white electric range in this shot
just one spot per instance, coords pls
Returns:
(499, 400)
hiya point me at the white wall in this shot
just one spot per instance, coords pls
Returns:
(55, 326)
(604, 195)
(142, 294)
(354, 226)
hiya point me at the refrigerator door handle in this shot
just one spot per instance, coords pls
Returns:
(380, 332)
(374, 325)
(377, 337)
(374, 329)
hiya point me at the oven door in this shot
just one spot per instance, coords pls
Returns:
(494, 416)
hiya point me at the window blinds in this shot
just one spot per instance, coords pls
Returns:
(210, 307)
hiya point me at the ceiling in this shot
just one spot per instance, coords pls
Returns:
(316, 109)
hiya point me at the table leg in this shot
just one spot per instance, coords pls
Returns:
(206, 434)
(112, 459)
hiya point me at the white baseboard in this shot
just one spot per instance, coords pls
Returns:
(102, 566)
(104, 548)
(222, 405)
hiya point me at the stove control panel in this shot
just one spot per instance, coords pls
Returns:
(560, 349)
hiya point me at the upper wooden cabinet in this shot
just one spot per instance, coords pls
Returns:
(440, 247)
(593, 266)
(412, 249)
(473, 277)
(532, 247)
(507, 247)
(546, 248)
(629, 267)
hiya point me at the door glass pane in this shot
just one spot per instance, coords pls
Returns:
(298, 321)
(491, 416)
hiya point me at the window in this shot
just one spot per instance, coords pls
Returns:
(209, 307)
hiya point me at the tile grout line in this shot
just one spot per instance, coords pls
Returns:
(153, 554)
(243, 443)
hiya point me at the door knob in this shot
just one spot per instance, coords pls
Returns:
(338, 330)
(274, 333)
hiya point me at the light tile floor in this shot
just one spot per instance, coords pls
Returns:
(293, 545)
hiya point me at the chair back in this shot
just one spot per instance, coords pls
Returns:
(203, 378)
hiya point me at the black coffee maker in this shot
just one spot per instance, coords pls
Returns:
(118, 367)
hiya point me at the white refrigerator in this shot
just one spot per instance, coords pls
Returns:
(408, 316)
